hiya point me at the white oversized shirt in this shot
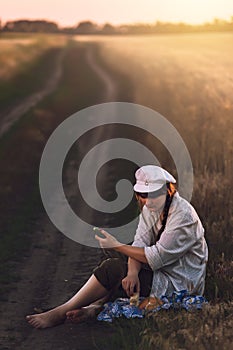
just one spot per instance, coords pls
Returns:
(178, 259)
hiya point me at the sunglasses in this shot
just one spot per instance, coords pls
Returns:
(145, 195)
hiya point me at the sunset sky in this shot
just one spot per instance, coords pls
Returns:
(70, 12)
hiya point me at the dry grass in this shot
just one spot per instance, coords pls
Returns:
(210, 328)
(17, 52)
(187, 79)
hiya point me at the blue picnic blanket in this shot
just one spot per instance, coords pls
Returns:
(178, 300)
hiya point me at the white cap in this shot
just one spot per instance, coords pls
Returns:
(150, 178)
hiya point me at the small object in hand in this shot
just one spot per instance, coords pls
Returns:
(96, 229)
(134, 299)
(150, 303)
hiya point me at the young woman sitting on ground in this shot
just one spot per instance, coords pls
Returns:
(169, 253)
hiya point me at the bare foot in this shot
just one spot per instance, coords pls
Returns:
(83, 314)
(46, 319)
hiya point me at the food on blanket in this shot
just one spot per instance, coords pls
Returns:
(134, 299)
(150, 303)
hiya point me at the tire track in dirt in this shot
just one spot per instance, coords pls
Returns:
(12, 116)
(110, 92)
(55, 268)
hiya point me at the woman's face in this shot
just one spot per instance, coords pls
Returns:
(154, 204)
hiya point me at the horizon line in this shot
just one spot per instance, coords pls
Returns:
(230, 20)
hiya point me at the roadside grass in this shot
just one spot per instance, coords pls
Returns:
(209, 328)
(206, 129)
(30, 78)
(205, 124)
(33, 64)
(214, 202)
(19, 50)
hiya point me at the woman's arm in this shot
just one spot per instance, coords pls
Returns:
(134, 266)
(109, 241)
(131, 282)
(132, 252)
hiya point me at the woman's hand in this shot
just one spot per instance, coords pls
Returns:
(111, 242)
(131, 284)
(108, 241)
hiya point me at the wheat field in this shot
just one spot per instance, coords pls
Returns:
(188, 79)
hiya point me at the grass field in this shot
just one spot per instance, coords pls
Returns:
(188, 79)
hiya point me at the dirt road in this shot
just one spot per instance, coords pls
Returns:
(11, 116)
(55, 266)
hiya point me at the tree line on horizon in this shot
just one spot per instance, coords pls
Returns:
(90, 28)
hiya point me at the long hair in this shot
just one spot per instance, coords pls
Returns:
(170, 190)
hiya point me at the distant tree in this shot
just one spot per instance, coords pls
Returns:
(140, 28)
(108, 29)
(38, 26)
(123, 29)
(86, 27)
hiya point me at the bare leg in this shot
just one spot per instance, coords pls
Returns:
(92, 291)
(90, 311)
(87, 312)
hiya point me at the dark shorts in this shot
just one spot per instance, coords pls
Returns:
(113, 268)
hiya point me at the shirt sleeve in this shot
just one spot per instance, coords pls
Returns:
(142, 237)
(175, 241)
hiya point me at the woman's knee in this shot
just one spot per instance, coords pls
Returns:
(110, 272)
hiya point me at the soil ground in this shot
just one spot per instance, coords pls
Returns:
(55, 267)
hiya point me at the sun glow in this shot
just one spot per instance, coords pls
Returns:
(70, 12)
